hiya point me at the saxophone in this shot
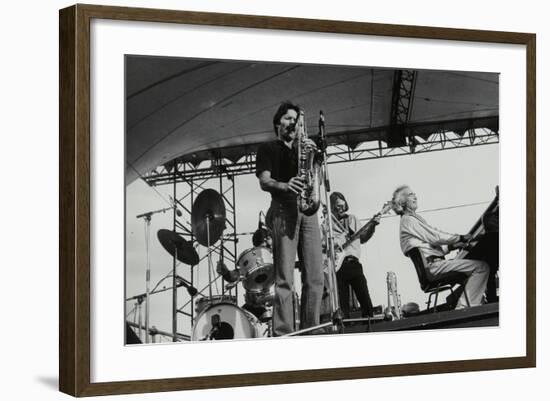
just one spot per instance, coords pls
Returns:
(393, 297)
(308, 168)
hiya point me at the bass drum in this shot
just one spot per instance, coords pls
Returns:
(203, 302)
(225, 321)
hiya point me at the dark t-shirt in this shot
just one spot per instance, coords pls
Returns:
(281, 162)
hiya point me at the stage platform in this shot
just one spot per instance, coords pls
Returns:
(478, 316)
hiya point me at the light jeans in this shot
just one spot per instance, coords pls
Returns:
(477, 270)
(294, 232)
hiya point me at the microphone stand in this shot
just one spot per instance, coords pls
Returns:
(147, 219)
(337, 319)
(337, 322)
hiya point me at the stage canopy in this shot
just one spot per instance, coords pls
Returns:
(190, 109)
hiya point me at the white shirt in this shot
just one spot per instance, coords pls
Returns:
(415, 232)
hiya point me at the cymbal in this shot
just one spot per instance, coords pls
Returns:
(208, 206)
(177, 246)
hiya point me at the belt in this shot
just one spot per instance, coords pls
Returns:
(433, 258)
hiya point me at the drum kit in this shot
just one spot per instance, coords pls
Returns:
(218, 317)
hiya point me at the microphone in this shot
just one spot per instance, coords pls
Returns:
(181, 282)
(260, 224)
(175, 206)
(215, 321)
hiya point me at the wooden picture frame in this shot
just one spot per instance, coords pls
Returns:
(75, 206)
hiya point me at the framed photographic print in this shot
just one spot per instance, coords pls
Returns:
(235, 186)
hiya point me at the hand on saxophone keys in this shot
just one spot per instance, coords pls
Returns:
(296, 184)
(311, 143)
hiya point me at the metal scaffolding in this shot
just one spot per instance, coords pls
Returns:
(225, 248)
(441, 139)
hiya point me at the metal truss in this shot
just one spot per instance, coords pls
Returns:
(404, 83)
(435, 142)
(224, 249)
(217, 168)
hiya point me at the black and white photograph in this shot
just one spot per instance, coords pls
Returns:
(246, 200)
(275, 199)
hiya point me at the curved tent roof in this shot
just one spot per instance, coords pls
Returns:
(186, 108)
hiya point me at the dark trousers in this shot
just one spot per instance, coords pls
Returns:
(487, 250)
(351, 273)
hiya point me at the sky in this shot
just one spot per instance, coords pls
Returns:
(453, 188)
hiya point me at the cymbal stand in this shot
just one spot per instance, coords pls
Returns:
(209, 256)
(174, 295)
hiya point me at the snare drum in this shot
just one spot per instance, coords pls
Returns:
(256, 265)
(225, 321)
(203, 302)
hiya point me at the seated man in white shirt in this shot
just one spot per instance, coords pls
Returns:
(415, 232)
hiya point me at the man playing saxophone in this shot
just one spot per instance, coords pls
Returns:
(277, 169)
